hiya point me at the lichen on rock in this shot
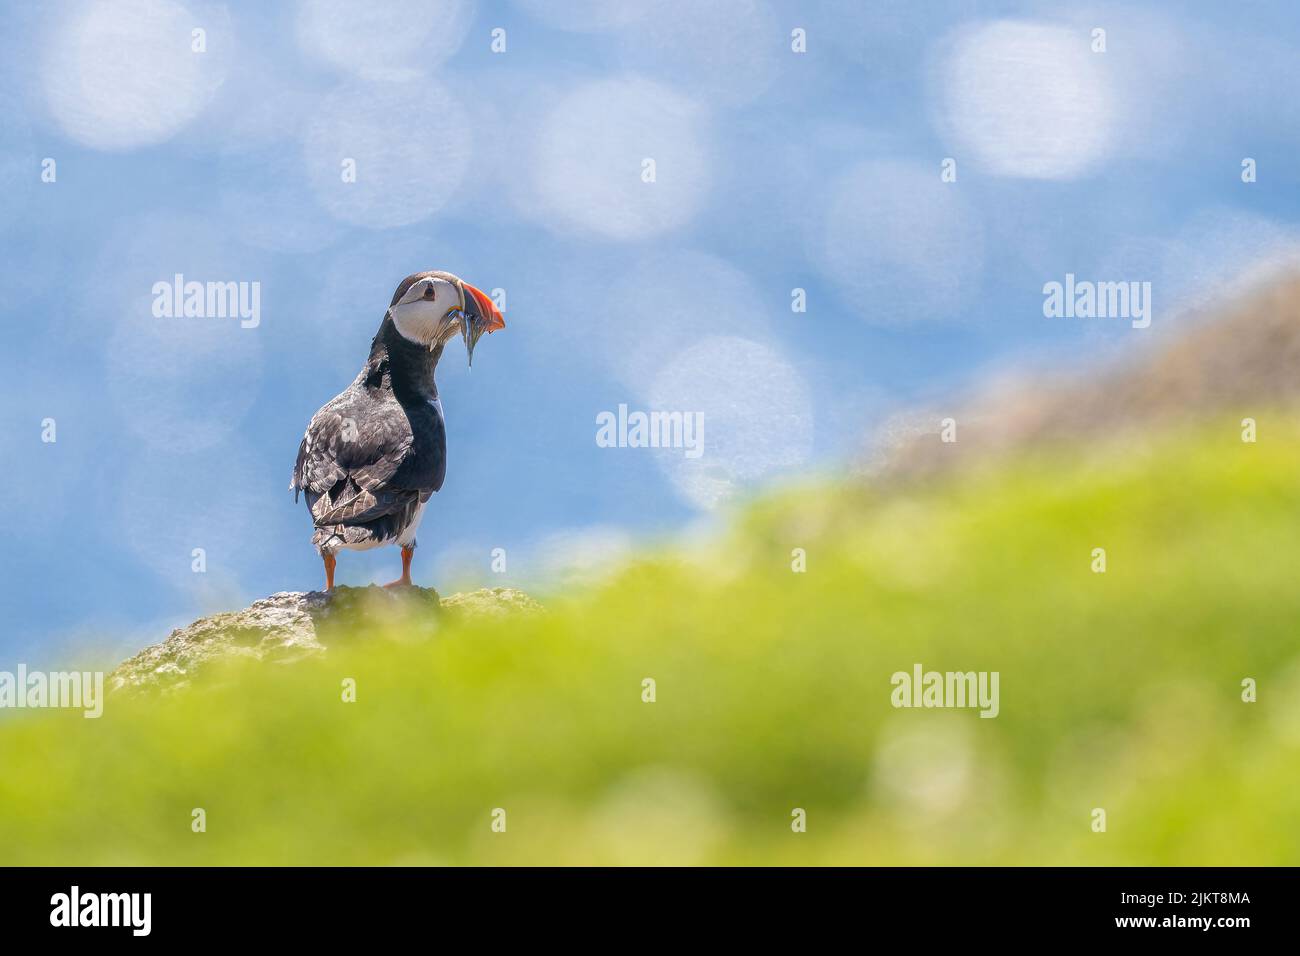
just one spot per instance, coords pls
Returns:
(292, 625)
(492, 603)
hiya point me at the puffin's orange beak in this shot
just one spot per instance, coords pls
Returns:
(492, 318)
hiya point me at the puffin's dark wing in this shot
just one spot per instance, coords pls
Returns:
(363, 458)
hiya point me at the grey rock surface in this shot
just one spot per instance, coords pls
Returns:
(292, 625)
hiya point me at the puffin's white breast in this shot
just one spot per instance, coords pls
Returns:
(407, 534)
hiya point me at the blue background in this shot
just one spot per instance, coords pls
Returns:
(164, 448)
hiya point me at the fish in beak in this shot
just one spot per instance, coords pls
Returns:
(480, 316)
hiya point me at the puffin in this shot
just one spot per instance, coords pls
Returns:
(374, 455)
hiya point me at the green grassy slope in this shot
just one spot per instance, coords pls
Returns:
(1119, 690)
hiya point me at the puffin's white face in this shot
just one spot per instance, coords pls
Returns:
(430, 312)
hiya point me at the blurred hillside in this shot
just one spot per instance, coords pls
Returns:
(1235, 361)
(1119, 690)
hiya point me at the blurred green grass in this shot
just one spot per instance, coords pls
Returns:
(1119, 690)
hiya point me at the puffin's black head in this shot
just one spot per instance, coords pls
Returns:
(432, 307)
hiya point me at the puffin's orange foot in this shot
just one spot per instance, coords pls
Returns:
(405, 579)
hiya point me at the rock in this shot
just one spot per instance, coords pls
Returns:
(292, 625)
(492, 603)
